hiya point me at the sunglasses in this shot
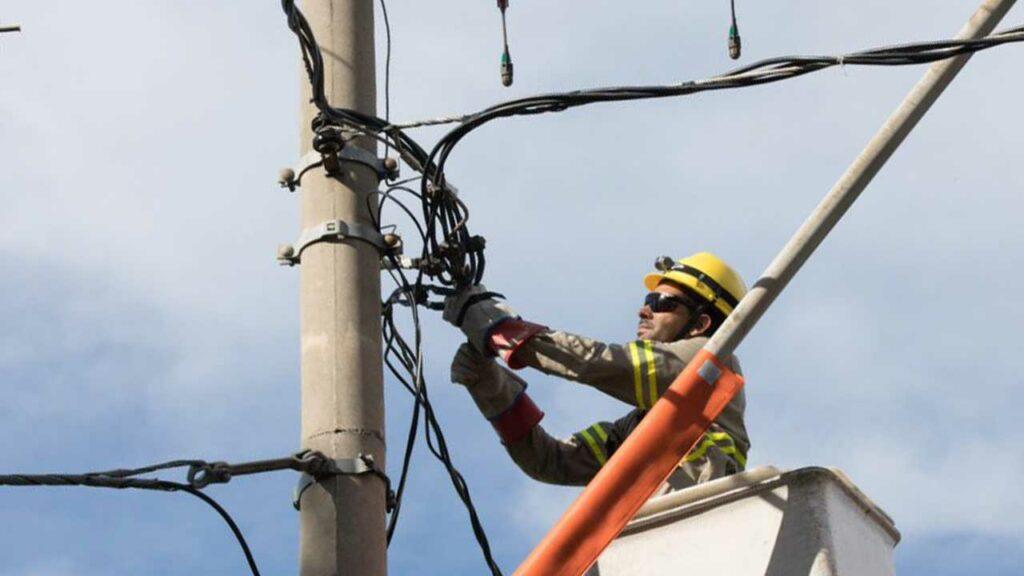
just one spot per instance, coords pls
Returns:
(660, 302)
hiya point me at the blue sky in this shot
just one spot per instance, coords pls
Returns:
(144, 318)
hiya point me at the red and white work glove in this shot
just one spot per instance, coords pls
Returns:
(492, 388)
(491, 325)
(477, 311)
(498, 393)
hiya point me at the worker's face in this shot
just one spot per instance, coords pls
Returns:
(666, 326)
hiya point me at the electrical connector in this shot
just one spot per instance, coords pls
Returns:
(506, 58)
(735, 44)
(506, 69)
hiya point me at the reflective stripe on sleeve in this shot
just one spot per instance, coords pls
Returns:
(652, 371)
(597, 447)
(638, 379)
(721, 440)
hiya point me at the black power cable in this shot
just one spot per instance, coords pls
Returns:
(410, 360)
(405, 362)
(124, 479)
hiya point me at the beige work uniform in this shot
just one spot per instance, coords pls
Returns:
(637, 373)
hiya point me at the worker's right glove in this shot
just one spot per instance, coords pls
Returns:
(493, 388)
(476, 311)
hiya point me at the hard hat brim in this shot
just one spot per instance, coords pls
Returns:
(652, 280)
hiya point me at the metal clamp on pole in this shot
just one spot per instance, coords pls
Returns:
(291, 178)
(363, 464)
(386, 168)
(330, 231)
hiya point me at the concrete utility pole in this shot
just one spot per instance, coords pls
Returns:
(343, 517)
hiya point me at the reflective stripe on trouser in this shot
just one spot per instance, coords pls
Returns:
(721, 440)
(595, 438)
(645, 373)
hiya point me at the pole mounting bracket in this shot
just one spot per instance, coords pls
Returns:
(329, 231)
(362, 464)
(332, 162)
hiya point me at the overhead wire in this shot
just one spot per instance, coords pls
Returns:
(763, 72)
(126, 479)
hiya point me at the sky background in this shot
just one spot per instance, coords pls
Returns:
(143, 316)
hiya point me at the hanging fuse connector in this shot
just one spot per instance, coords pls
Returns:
(506, 58)
(735, 44)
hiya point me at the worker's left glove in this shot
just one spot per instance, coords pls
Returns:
(498, 393)
(493, 388)
(476, 311)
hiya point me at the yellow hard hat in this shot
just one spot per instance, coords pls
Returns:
(706, 275)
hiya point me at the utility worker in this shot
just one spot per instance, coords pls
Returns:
(688, 300)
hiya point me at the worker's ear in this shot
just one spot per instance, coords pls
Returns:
(702, 326)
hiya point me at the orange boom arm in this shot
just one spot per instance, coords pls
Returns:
(644, 461)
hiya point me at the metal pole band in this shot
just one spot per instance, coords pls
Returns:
(330, 231)
(363, 464)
